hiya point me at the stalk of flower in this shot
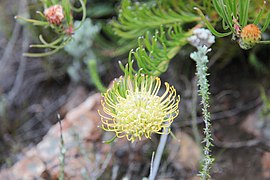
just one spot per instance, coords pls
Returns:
(134, 109)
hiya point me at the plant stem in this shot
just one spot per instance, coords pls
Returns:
(62, 151)
(201, 60)
(157, 159)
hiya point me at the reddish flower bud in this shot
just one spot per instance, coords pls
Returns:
(69, 31)
(250, 35)
(54, 14)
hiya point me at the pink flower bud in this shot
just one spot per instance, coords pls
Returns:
(54, 14)
(69, 31)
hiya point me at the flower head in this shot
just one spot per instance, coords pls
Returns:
(54, 14)
(201, 37)
(250, 36)
(134, 109)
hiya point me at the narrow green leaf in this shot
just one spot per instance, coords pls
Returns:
(267, 21)
(264, 42)
(227, 15)
(217, 6)
(67, 9)
(210, 27)
(41, 54)
(110, 140)
(256, 21)
(84, 14)
(243, 12)
(55, 42)
(92, 67)
(33, 21)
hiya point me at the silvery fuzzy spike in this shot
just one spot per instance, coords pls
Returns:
(201, 37)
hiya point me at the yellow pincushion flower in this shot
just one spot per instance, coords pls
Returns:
(134, 109)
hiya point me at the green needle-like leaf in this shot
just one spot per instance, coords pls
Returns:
(135, 20)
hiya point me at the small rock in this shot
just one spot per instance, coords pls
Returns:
(6, 174)
(80, 131)
(185, 152)
(266, 164)
(74, 100)
(252, 124)
(258, 125)
(31, 167)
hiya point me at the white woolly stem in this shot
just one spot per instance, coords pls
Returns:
(201, 60)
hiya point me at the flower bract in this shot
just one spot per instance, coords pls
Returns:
(134, 108)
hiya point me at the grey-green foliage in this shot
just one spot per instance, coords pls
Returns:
(201, 60)
(81, 47)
